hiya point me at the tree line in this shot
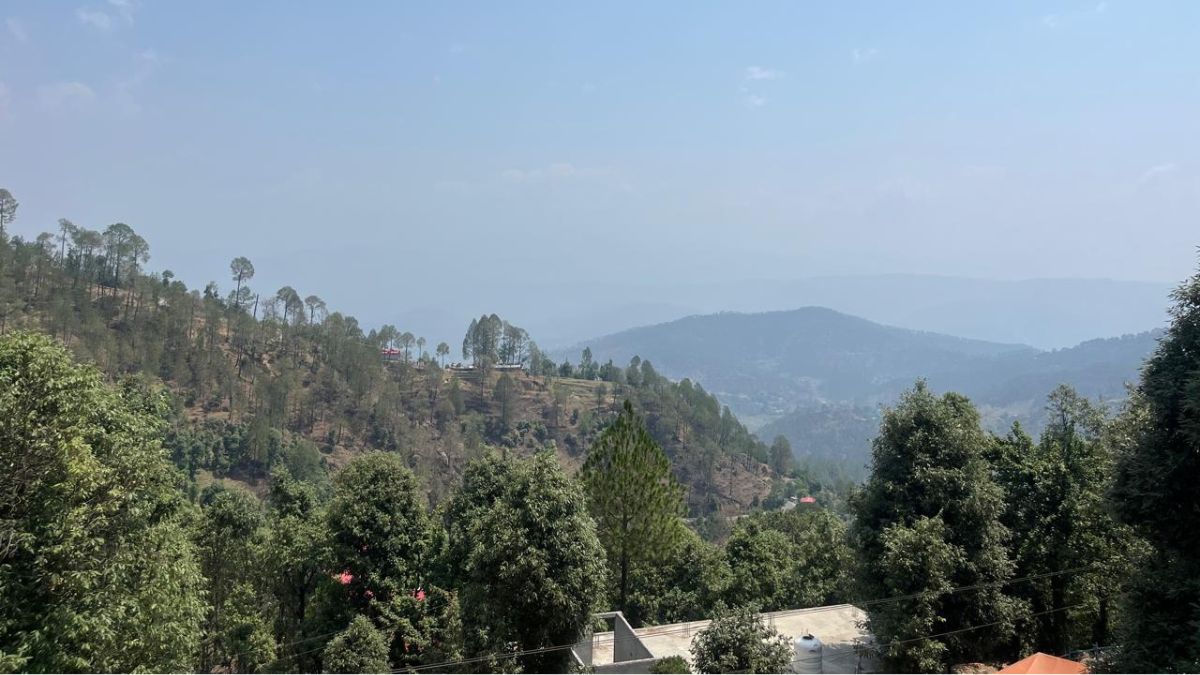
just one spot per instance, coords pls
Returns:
(104, 550)
(261, 379)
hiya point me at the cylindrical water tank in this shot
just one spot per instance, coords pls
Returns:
(808, 654)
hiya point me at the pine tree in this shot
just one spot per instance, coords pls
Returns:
(632, 495)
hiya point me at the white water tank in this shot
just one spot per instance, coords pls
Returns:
(807, 658)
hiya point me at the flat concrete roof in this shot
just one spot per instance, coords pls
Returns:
(838, 627)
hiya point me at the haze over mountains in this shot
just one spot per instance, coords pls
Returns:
(819, 376)
(1042, 313)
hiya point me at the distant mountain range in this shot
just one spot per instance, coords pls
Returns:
(1043, 313)
(819, 376)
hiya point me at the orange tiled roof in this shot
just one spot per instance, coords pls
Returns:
(1044, 664)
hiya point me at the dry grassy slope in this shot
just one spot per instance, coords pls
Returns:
(440, 457)
(740, 482)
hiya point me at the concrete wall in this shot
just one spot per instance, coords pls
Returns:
(627, 646)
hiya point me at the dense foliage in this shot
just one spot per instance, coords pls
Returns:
(96, 570)
(262, 380)
(1059, 519)
(784, 559)
(525, 553)
(1155, 492)
(928, 521)
(737, 641)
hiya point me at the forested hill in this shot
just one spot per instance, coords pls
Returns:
(264, 379)
(765, 363)
(819, 377)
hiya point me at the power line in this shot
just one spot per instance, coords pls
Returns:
(957, 589)
(445, 602)
(963, 630)
(293, 644)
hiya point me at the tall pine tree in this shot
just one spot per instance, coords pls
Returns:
(633, 497)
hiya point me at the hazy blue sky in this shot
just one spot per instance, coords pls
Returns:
(378, 153)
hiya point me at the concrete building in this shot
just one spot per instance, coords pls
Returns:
(840, 629)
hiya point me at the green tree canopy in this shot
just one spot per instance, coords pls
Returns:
(361, 648)
(737, 641)
(525, 552)
(381, 533)
(927, 520)
(789, 559)
(782, 458)
(683, 587)
(297, 563)
(97, 573)
(8, 210)
(1158, 469)
(1057, 512)
(229, 541)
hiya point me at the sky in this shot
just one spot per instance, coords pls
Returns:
(406, 157)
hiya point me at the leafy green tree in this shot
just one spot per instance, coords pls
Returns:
(315, 305)
(761, 561)
(66, 230)
(685, 586)
(737, 641)
(587, 366)
(1057, 511)
(381, 533)
(454, 395)
(245, 640)
(789, 559)
(97, 572)
(632, 495)
(505, 396)
(469, 340)
(524, 552)
(671, 664)
(425, 628)
(443, 350)
(1158, 468)
(928, 520)
(361, 648)
(406, 343)
(292, 305)
(229, 542)
(823, 556)
(296, 561)
(782, 459)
